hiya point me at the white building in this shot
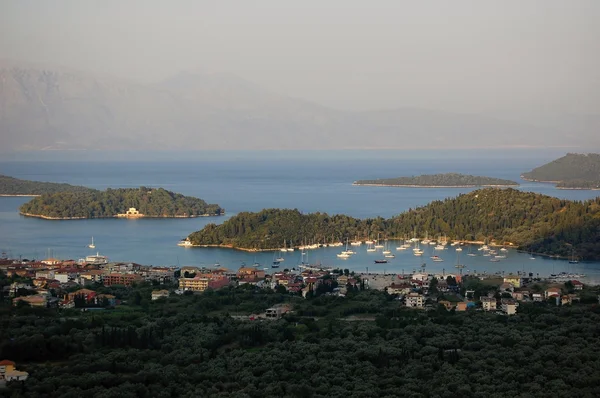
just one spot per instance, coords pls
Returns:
(414, 300)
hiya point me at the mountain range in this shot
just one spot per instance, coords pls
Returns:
(43, 107)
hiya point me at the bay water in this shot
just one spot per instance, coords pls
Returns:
(309, 181)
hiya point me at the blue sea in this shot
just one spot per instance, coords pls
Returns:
(309, 181)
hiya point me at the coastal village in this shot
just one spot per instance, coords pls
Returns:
(69, 284)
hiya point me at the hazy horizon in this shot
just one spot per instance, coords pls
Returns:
(502, 58)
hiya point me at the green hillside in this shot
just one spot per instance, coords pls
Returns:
(529, 220)
(152, 202)
(573, 170)
(440, 180)
(15, 186)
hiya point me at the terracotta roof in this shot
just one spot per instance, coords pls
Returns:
(553, 290)
(576, 283)
(5, 362)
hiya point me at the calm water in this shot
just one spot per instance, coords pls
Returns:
(308, 181)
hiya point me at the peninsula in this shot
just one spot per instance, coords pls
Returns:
(572, 171)
(122, 202)
(10, 186)
(535, 222)
(447, 180)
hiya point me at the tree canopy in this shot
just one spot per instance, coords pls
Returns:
(190, 346)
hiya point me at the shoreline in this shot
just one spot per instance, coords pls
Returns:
(509, 246)
(8, 195)
(558, 182)
(116, 217)
(435, 186)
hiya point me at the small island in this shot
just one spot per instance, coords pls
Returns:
(121, 203)
(532, 222)
(447, 180)
(572, 171)
(10, 186)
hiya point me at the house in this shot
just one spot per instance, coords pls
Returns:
(250, 273)
(87, 294)
(442, 286)
(518, 295)
(537, 297)
(552, 292)
(400, 289)
(342, 280)
(108, 298)
(420, 276)
(565, 300)
(34, 301)
(488, 303)
(131, 213)
(414, 300)
(277, 311)
(506, 287)
(45, 274)
(461, 306)
(509, 306)
(447, 304)
(514, 280)
(9, 373)
(121, 279)
(51, 261)
(200, 283)
(157, 294)
(577, 285)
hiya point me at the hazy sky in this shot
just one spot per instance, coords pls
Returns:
(470, 56)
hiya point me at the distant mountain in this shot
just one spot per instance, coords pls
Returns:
(572, 171)
(57, 108)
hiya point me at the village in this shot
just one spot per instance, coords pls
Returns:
(68, 284)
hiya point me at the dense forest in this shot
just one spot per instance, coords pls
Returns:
(552, 226)
(15, 186)
(440, 180)
(152, 202)
(189, 346)
(573, 170)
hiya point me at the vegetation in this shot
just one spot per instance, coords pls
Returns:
(15, 186)
(439, 180)
(189, 346)
(152, 202)
(579, 184)
(573, 170)
(536, 222)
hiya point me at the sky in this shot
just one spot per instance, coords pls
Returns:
(495, 57)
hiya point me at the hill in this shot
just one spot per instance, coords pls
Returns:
(43, 107)
(439, 180)
(529, 220)
(14, 186)
(151, 202)
(573, 171)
